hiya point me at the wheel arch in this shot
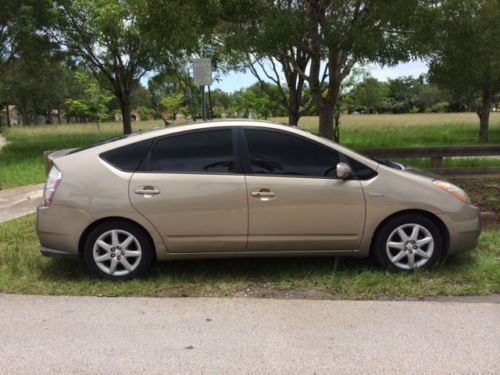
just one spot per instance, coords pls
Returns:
(88, 230)
(435, 219)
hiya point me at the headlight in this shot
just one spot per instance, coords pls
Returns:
(453, 190)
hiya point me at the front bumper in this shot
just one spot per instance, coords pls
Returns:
(464, 228)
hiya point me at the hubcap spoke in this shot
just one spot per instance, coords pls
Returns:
(424, 241)
(414, 233)
(103, 258)
(402, 234)
(399, 256)
(396, 245)
(103, 245)
(422, 253)
(411, 260)
(125, 244)
(114, 238)
(126, 264)
(132, 253)
(112, 267)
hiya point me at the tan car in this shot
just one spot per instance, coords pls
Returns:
(244, 189)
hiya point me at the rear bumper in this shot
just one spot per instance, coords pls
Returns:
(57, 253)
(60, 228)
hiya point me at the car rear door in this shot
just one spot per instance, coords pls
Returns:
(190, 188)
(296, 202)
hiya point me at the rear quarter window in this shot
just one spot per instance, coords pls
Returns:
(127, 158)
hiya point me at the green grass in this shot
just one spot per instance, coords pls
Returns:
(24, 270)
(21, 160)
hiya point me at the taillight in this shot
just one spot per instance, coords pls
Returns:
(53, 181)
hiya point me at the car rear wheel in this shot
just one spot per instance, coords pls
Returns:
(408, 242)
(118, 250)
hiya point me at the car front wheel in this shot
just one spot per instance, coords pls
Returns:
(118, 250)
(408, 242)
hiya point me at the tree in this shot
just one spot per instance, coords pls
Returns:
(93, 105)
(257, 34)
(172, 105)
(371, 95)
(332, 36)
(8, 31)
(36, 85)
(464, 56)
(120, 41)
(404, 93)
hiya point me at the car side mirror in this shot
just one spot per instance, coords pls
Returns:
(344, 171)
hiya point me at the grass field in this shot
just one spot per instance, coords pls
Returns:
(23, 270)
(21, 160)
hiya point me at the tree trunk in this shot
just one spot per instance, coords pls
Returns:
(294, 107)
(326, 121)
(336, 127)
(484, 116)
(484, 122)
(293, 118)
(125, 110)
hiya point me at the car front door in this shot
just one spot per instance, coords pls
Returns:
(191, 190)
(296, 202)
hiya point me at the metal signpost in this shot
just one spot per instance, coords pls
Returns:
(202, 74)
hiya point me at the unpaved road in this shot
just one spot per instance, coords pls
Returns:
(47, 335)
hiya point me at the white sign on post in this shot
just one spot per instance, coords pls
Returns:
(202, 72)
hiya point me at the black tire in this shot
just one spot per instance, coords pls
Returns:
(389, 243)
(138, 254)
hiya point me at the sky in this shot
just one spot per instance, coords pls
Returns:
(236, 81)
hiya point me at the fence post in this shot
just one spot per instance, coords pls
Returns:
(436, 162)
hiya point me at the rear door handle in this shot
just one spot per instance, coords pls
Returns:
(147, 190)
(264, 194)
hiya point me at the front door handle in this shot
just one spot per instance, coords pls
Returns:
(264, 194)
(147, 190)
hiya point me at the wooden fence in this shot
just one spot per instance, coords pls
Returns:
(436, 154)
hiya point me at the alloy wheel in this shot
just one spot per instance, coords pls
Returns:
(117, 252)
(410, 246)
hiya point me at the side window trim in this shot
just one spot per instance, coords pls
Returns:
(146, 165)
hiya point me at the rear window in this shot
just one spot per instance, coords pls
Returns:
(127, 158)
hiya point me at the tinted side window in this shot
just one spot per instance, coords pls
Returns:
(272, 152)
(209, 151)
(127, 158)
